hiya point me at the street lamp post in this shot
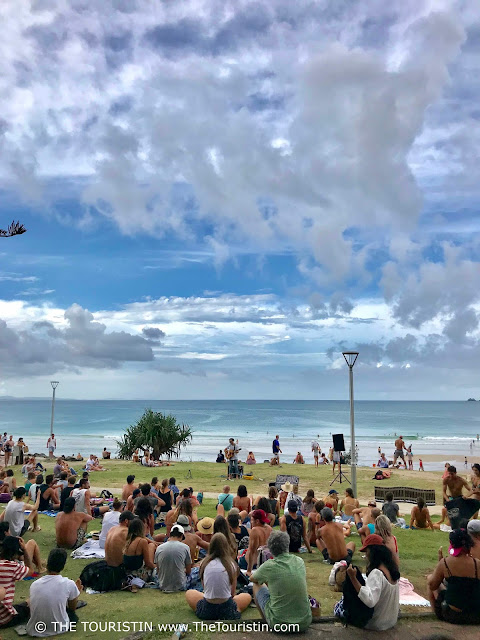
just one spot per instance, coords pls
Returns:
(54, 384)
(350, 359)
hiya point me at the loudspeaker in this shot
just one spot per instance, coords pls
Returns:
(338, 442)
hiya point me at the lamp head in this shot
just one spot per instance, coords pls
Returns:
(350, 357)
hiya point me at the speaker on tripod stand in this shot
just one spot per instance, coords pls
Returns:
(338, 449)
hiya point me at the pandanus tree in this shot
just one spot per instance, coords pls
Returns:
(154, 432)
(14, 229)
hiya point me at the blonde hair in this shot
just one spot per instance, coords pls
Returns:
(383, 527)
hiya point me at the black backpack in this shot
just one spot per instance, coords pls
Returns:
(356, 612)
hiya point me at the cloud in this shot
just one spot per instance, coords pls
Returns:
(152, 333)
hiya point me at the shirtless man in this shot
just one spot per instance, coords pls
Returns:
(259, 534)
(331, 541)
(71, 526)
(399, 447)
(459, 509)
(445, 520)
(191, 539)
(420, 516)
(116, 538)
(369, 528)
(128, 488)
(363, 515)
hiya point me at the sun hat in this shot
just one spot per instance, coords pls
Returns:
(473, 526)
(287, 487)
(184, 521)
(205, 525)
(372, 539)
(259, 514)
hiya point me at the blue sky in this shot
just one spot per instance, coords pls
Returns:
(222, 196)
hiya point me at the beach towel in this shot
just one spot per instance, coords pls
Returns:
(51, 514)
(90, 549)
(408, 595)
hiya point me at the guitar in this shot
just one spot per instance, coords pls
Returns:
(229, 453)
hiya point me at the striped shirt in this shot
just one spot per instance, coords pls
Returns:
(10, 571)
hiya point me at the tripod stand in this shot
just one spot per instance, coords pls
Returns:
(340, 477)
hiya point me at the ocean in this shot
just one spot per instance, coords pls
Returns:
(87, 426)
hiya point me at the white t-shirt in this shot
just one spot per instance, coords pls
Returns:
(379, 593)
(90, 463)
(48, 603)
(110, 520)
(32, 492)
(79, 495)
(14, 515)
(215, 581)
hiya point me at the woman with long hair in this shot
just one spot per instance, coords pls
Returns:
(242, 501)
(475, 481)
(144, 512)
(262, 503)
(239, 531)
(166, 495)
(220, 525)
(138, 552)
(274, 504)
(457, 602)
(308, 502)
(218, 573)
(31, 548)
(380, 591)
(383, 527)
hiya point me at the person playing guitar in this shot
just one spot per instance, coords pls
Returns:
(231, 454)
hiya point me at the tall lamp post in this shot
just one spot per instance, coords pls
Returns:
(54, 384)
(350, 359)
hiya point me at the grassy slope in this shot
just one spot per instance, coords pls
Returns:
(418, 549)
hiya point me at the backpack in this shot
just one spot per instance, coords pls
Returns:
(356, 613)
(106, 494)
(100, 577)
(263, 554)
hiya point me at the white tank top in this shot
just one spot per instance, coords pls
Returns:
(79, 495)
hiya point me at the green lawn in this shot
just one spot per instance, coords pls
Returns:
(418, 549)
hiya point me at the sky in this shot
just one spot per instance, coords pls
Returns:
(222, 196)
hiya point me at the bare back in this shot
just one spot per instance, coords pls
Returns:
(67, 526)
(332, 535)
(114, 544)
(127, 491)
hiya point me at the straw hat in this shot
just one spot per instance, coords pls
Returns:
(287, 487)
(205, 525)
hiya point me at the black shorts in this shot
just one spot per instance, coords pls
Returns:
(347, 558)
(444, 612)
(23, 614)
(224, 611)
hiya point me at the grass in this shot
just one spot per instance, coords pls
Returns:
(418, 549)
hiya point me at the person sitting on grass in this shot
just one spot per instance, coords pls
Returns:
(299, 459)
(250, 458)
(280, 586)
(53, 599)
(71, 526)
(220, 457)
(379, 592)
(138, 552)
(368, 529)
(110, 520)
(259, 534)
(30, 480)
(83, 496)
(32, 550)
(295, 526)
(11, 481)
(420, 516)
(293, 495)
(220, 525)
(225, 501)
(191, 539)
(264, 504)
(146, 492)
(239, 531)
(454, 586)
(308, 503)
(314, 521)
(218, 573)
(383, 528)
(130, 506)
(128, 488)
(15, 564)
(14, 514)
(67, 492)
(92, 464)
(173, 561)
(348, 504)
(116, 539)
(242, 501)
(48, 496)
(473, 529)
(331, 500)
(331, 540)
(363, 515)
(443, 520)
(390, 508)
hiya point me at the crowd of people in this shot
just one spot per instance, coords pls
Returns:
(251, 551)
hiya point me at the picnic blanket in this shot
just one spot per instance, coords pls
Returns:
(90, 549)
(51, 514)
(408, 595)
